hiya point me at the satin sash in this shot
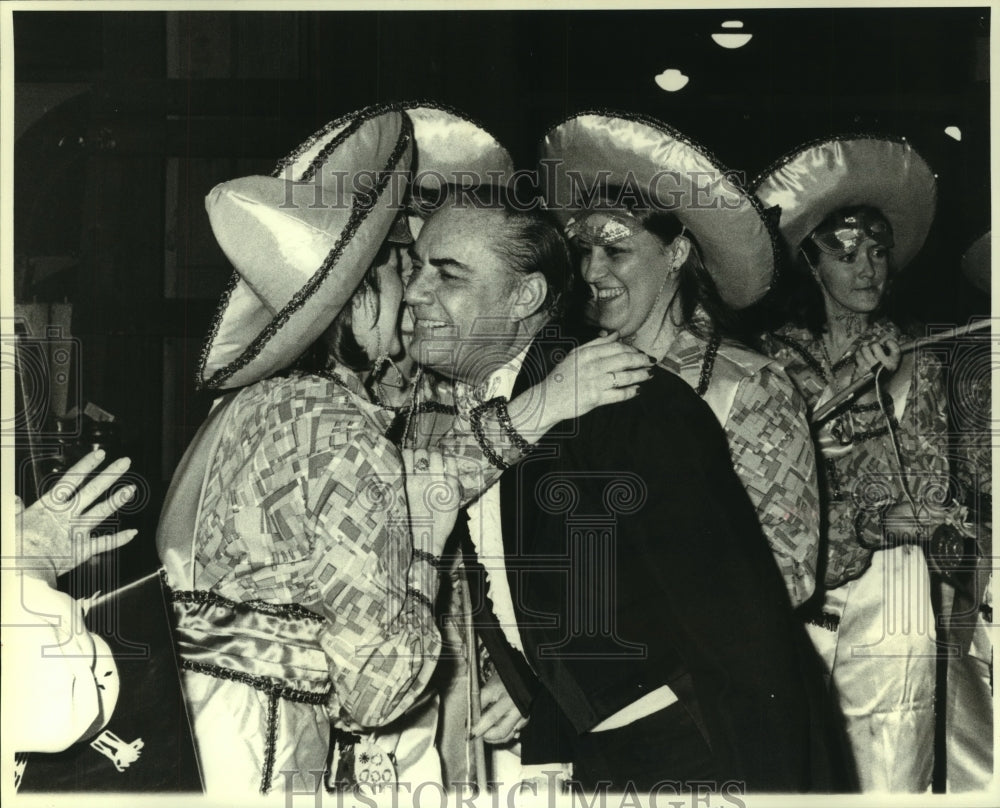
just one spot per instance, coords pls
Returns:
(271, 648)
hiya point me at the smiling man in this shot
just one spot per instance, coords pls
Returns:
(636, 584)
(476, 302)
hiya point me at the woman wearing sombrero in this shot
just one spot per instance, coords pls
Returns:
(302, 596)
(669, 246)
(854, 211)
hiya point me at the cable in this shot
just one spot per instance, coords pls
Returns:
(894, 441)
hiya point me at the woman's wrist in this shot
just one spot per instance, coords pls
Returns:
(549, 409)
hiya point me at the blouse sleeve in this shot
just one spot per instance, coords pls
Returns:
(474, 469)
(774, 457)
(50, 664)
(380, 637)
(923, 441)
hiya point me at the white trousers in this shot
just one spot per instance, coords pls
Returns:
(881, 662)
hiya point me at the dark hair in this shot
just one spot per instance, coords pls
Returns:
(532, 239)
(534, 243)
(695, 286)
(800, 296)
(338, 340)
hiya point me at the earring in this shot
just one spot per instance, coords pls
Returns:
(380, 369)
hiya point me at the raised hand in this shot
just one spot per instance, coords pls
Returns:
(54, 532)
(873, 354)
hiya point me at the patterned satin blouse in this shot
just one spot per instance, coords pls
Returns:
(865, 480)
(771, 448)
(305, 504)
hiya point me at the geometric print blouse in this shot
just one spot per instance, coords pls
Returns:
(305, 504)
(861, 484)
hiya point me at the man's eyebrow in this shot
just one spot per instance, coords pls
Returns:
(451, 263)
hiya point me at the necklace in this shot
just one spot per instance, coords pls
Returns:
(411, 409)
(840, 363)
(415, 408)
(379, 370)
(707, 364)
(334, 377)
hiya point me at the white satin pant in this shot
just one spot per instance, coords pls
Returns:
(881, 662)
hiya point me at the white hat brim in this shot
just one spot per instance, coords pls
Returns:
(301, 242)
(736, 242)
(822, 177)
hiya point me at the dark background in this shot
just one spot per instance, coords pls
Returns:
(124, 121)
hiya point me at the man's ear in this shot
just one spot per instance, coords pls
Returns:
(529, 296)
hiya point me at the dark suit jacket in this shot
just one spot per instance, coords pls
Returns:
(635, 559)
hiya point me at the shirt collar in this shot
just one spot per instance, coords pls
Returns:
(501, 381)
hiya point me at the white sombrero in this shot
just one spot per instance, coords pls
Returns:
(825, 176)
(591, 150)
(301, 240)
(451, 149)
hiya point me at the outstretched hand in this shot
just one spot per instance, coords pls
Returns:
(55, 530)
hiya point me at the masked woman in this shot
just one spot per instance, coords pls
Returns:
(655, 219)
(854, 211)
(663, 239)
(302, 572)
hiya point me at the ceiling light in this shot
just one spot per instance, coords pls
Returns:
(671, 80)
(732, 41)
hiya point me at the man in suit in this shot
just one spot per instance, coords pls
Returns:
(651, 627)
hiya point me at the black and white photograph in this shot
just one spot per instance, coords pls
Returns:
(565, 404)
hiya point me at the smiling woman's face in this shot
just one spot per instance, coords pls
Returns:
(625, 279)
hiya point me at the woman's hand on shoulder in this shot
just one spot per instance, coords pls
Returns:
(602, 371)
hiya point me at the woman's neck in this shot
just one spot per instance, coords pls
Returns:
(659, 330)
(843, 327)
